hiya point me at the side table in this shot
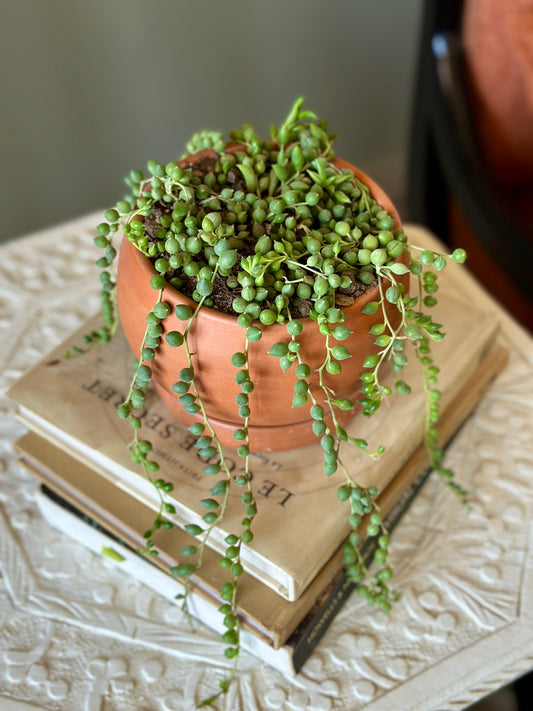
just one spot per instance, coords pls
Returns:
(76, 636)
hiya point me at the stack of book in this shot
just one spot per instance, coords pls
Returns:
(77, 447)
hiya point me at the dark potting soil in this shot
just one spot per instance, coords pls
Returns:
(222, 296)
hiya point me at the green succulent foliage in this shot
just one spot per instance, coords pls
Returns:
(279, 223)
(285, 235)
(202, 140)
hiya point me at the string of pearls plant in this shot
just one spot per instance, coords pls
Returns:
(285, 238)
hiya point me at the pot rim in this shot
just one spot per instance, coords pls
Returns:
(376, 192)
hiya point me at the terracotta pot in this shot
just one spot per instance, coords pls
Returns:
(274, 425)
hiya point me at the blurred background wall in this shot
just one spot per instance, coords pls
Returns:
(91, 89)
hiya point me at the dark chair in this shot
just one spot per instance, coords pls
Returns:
(450, 189)
(450, 186)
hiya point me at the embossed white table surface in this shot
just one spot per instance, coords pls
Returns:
(76, 635)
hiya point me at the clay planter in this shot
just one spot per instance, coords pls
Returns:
(274, 424)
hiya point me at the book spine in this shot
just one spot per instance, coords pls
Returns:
(311, 630)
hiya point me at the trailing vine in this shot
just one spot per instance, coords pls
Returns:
(286, 235)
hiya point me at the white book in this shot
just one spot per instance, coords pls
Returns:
(80, 503)
(162, 583)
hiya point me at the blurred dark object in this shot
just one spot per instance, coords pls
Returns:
(524, 692)
(515, 697)
(471, 153)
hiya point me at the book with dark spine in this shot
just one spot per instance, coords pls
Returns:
(305, 620)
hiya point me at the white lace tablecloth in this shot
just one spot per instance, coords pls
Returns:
(76, 635)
